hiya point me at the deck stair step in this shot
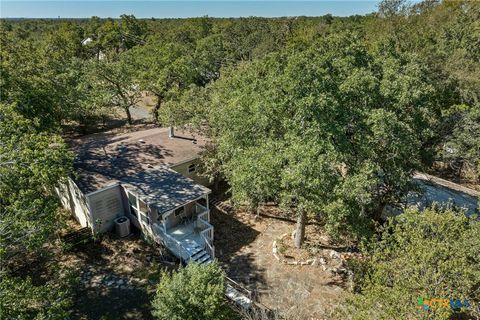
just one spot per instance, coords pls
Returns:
(78, 237)
(201, 257)
(204, 258)
(194, 250)
(198, 255)
(222, 205)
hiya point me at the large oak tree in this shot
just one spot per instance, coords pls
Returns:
(332, 131)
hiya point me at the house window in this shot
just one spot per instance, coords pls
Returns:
(134, 212)
(145, 219)
(142, 206)
(178, 212)
(132, 200)
(191, 168)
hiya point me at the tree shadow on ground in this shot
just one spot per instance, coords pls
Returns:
(92, 252)
(117, 278)
(231, 235)
(97, 125)
(112, 303)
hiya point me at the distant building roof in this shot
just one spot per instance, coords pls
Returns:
(109, 157)
(163, 187)
(86, 41)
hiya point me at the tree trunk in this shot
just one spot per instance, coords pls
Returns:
(378, 211)
(156, 109)
(300, 229)
(129, 116)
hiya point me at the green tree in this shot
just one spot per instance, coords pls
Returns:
(32, 163)
(163, 69)
(195, 292)
(209, 57)
(462, 147)
(132, 30)
(304, 129)
(48, 80)
(23, 300)
(115, 84)
(109, 37)
(429, 255)
(442, 34)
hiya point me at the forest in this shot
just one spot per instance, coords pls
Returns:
(327, 117)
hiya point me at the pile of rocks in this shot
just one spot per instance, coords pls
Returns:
(283, 260)
(327, 259)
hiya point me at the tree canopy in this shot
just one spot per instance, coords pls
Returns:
(332, 130)
(32, 163)
(194, 292)
(422, 256)
(328, 117)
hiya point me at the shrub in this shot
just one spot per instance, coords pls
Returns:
(420, 255)
(195, 292)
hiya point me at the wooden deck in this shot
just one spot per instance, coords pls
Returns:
(187, 236)
(186, 242)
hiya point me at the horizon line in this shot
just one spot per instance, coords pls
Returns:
(168, 9)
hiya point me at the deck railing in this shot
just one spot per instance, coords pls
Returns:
(170, 242)
(204, 225)
(239, 287)
(208, 232)
(208, 247)
(201, 210)
(206, 229)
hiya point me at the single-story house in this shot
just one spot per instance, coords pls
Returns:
(149, 176)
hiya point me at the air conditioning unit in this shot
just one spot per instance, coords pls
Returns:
(122, 226)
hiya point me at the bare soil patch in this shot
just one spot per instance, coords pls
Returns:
(243, 245)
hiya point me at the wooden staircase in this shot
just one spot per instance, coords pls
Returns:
(198, 255)
(220, 205)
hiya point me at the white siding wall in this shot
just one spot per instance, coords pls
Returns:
(106, 205)
(99, 209)
(182, 168)
(73, 199)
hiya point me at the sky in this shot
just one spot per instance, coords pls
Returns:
(183, 8)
